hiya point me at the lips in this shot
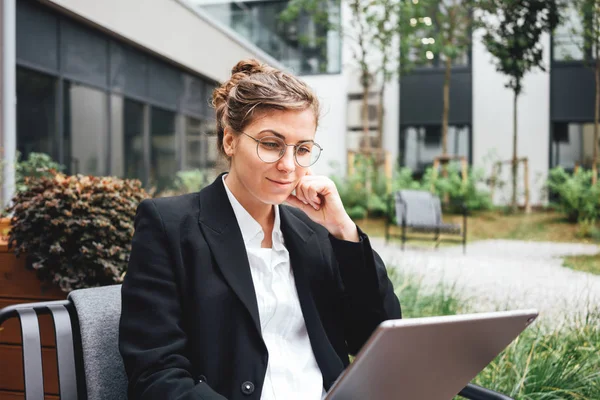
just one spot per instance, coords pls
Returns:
(282, 183)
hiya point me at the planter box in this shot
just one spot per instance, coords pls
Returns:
(18, 284)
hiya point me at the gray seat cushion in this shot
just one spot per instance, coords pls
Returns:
(423, 212)
(98, 311)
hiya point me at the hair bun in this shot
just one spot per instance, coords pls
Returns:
(249, 67)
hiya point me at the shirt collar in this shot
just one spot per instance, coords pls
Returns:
(251, 229)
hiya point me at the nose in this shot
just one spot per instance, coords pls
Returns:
(287, 163)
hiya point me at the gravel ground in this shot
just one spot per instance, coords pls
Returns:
(505, 274)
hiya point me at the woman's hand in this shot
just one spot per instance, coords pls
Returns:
(318, 197)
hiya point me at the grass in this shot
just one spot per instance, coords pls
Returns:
(585, 263)
(541, 364)
(537, 226)
(545, 226)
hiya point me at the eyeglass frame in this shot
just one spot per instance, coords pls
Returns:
(295, 146)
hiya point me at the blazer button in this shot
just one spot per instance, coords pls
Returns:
(201, 379)
(247, 388)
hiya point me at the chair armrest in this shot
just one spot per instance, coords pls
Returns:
(474, 392)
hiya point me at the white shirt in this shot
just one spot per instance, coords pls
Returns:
(292, 370)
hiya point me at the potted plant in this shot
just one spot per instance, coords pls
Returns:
(75, 230)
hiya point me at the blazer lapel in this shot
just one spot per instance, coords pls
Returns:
(224, 237)
(301, 241)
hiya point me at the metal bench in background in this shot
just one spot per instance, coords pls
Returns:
(89, 362)
(418, 211)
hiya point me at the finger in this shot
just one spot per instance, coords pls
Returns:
(314, 194)
(295, 202)
(299, 195)
(308, 172)
(306, 192)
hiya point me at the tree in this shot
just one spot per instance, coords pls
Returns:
(589, 33)
(379, 44)
(444, 28)
(513, 29)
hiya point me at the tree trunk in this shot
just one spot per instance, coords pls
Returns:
(446, 109)
(380, 115)
(515, 163)
(596, 118)
(365, 113)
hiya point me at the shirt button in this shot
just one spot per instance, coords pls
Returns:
(247, 388)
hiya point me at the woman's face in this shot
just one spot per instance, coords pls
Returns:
(254, 181)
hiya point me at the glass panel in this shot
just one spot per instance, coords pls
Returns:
(165, 84)
(128, 70)
(200, 144)
(567, 41)
(572, 145)
(127, 144)
(36, 113)
(194, 96)
(37, 35)
(304, 46)
(421, 144)
(84, 54)
(85, 129)
(163, 152)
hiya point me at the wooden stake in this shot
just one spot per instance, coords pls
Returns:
(526, 177)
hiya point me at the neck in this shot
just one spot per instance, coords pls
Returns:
(263, 213)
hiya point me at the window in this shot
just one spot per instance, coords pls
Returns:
(568, 41)
(36, 113)
(304, 46)
(85, 129)
(572, 145)
(419, 145)
(163, 148)
(127, 143)
(100, 106)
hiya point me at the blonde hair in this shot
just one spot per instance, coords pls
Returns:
(255, 88)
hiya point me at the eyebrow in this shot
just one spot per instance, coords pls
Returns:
(279, 135)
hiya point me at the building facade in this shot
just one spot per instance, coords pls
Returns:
(113, 87)
(117, 88)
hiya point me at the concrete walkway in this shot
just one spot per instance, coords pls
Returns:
(505, 274)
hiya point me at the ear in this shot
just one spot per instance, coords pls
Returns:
(229, 141)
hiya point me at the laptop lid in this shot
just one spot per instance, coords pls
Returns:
(430, 358)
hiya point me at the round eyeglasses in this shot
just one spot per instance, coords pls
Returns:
(271, 149)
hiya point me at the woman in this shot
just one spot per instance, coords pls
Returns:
(229, 294)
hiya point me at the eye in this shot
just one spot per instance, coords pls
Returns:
(303, 150)
(270, 144)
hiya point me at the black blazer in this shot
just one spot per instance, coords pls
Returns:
(189, 325)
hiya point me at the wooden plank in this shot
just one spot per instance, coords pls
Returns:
(5, 395)
(17, 281)
(10, 332)
(11, 365)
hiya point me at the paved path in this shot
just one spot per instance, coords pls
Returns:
(505, 274)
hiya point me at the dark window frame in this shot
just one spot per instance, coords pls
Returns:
(62, 76)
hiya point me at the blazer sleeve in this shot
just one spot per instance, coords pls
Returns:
(152, 341)
(368, 294)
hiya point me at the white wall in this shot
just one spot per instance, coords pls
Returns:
(493, 119)
(331, 134)
(172, 29)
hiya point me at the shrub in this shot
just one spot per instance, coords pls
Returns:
(76, 230)
(37, 165)
(575, 196)
(470, 192)
(188, 181)
(364, 192)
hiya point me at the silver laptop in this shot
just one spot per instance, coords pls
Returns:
(428, 358)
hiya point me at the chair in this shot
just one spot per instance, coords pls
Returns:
(89, 362)
(87, 336)
(421, 212)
